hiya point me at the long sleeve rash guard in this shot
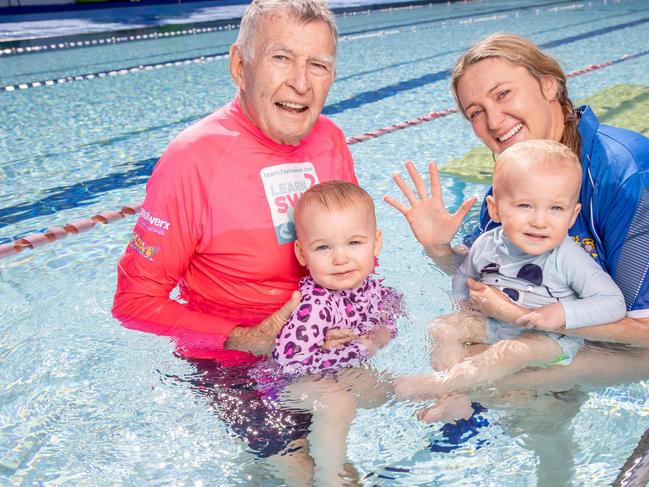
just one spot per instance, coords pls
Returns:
(217, 222)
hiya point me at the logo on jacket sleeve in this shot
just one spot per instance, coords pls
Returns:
(588, 244)
(283, 185)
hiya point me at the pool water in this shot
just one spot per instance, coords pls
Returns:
(84, 401)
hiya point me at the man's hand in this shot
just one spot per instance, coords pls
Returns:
(547, 318)
(432, 224)
(259, 340)
(491, 302)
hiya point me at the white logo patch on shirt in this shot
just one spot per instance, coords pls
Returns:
(283, 185)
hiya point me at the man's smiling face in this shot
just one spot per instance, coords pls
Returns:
(284, 86)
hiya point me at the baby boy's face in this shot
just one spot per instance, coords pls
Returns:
(536, 208)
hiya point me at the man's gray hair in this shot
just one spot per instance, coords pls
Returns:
(303, 10)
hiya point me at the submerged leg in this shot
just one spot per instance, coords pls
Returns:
(500, 360)
(450, 335)
(294, 465)
(333, 409)
(448, 409)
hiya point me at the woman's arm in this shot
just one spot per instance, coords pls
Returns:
(431, 223)
(631, 331)
(491, 302)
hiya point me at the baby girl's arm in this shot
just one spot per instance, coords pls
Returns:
(377, 339)
(299, 346)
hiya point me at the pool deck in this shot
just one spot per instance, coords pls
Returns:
(134, 18)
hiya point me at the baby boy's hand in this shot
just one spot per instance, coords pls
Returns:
(546, 318)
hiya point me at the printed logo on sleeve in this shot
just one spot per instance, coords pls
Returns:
(142, 248)
(151, 222)
(283, 185)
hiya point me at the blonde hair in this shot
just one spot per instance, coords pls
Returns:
(334, 195)
(542, 153)
(522, 52)
(303, 10)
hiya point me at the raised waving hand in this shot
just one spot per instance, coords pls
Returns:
(432, 224)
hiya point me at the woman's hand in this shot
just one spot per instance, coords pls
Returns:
(432, 224)
(547, 318)
(489, 301)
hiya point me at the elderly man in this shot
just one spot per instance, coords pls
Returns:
(217, 217)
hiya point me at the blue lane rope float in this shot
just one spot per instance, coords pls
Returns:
(57, 233)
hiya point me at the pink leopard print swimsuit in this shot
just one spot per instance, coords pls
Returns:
(298, 347)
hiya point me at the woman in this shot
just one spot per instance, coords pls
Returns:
(510, 91)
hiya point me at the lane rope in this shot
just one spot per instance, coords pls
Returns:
(114, 39)
(486, 17)
(207, 28)
(58, 233)
(115, 72)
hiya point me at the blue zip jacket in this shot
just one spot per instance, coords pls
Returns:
(613, 226)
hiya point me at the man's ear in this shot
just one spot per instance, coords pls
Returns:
(378, 242)
(549, 87)
(492, 208)
(299, 253)
(236, 66)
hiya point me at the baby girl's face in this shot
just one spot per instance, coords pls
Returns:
(338, 246)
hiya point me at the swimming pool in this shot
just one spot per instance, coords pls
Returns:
(85, 402)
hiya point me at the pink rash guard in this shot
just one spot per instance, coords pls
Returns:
(217, 222)
(298, 347)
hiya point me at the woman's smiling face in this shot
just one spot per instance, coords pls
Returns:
(506, 104)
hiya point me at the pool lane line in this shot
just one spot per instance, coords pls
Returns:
(373, 134)
(57, 233)
(387, 91)
(383, 31)
(355, 101)
(449, 111)
(116, 72)
(207, 27)
(55, 43)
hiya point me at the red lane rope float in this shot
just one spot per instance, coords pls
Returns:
(399, 126)
(58, 233)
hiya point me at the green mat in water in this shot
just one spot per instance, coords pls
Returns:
(622, 106)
